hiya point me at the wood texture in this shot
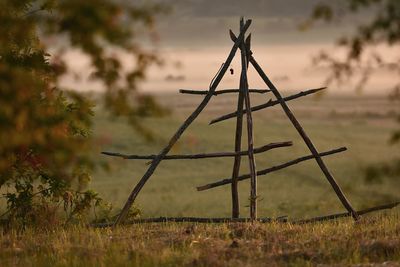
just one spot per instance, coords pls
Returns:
(181, 129)
(271, 169)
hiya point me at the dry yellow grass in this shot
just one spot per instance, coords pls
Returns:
(375, 241)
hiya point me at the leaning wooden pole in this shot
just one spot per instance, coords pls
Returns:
(250, 138)
(306, 139)
(184, 126)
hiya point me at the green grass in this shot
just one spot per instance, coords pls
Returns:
(363, 124)
(375, 241)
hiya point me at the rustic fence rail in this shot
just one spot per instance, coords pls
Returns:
(221, 92)
(281, 219)
(203, 155)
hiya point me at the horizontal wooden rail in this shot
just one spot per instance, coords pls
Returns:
(347, 214)
(269, 170)
(194, 220)
(204, 155)
(221, 92)
(281, 219)
(270, 103)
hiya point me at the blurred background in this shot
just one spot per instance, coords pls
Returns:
(192, 38)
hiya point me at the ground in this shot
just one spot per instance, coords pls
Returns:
(361, 123)
(374, 241)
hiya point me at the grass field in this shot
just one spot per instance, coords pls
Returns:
(375, 241)
(361, 123)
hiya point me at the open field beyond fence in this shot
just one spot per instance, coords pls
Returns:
(361, 123)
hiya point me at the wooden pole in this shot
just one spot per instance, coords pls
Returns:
(181, 129)
(191, 220)
(271, 169)
(203, 155)
(306, 139)
(270, 103)
(250, 137)
(281, 219)
(346, 214)
(238, 146)
(221, 92)
(236, 163)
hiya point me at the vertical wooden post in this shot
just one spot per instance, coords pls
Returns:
(236, 163)
(238, 147)
(252, 163)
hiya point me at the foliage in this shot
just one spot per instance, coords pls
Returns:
(382, 28)
(45, 130)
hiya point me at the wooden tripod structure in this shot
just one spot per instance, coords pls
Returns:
(243, 107)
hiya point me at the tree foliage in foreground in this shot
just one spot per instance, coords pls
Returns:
(45, 130)
(381, 28)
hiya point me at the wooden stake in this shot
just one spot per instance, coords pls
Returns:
(181, 129)
(306, 139)
(271, 169)
(238, 146)
(252, 163)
